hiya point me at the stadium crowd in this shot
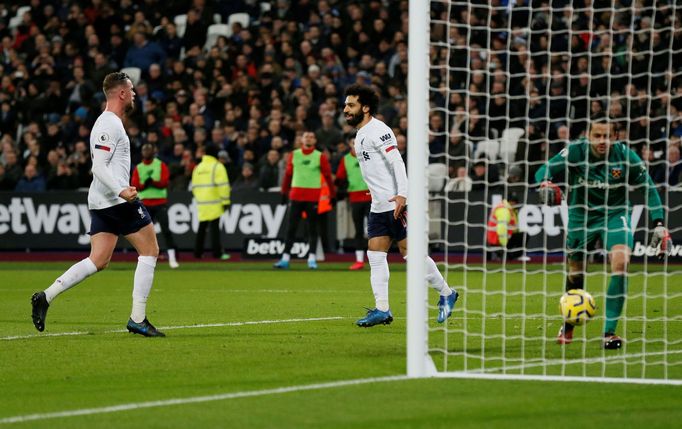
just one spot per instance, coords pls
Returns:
(516, 64)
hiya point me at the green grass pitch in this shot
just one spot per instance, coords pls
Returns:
(240, 328)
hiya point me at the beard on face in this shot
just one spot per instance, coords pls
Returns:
(130, 107)
(355, 118)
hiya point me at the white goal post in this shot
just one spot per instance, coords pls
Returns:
(504, 325)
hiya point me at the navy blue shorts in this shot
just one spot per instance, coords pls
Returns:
(121, 219)
(385, 225)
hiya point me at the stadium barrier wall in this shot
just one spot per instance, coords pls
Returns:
(257, 221)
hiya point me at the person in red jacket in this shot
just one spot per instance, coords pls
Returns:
(349, 176)
(302, 184)
(150, 178)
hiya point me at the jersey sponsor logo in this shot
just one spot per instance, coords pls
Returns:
(390, 148)
(365, 155)
(106, 148)
(616, 173)
(385, 137)
(593, 183)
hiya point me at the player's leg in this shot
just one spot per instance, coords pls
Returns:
(144, 241)
(104, 235)
(577, 240)
(313, 219)
(377, 253)
(161, 216)
(618, 243)
(295, 211)
(448, 296)
(359, 212)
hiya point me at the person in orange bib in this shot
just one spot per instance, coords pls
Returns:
(503, 227)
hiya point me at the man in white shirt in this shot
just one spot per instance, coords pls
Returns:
(383, 170)
(115, 210)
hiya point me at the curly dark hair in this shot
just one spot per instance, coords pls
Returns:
(366, 96)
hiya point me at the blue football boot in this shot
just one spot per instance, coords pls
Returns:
(281, 265)
(144, 328)
(445, 306)
(375, 317)
(312, 264)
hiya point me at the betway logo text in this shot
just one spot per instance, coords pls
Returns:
(23, 216)
(641, 250)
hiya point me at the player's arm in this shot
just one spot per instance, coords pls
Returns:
(326, 170)
(549, 192)
(639, 177)
(288, 174)
(162, 183)
(100, 155)
(389, 150)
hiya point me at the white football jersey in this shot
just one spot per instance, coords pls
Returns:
(378, 155)
(110, 151)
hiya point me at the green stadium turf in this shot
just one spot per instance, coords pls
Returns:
(101, 366)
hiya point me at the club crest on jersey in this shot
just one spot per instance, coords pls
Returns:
(616, 173)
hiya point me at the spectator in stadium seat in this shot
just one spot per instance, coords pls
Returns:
(62, 177)
(31, 181)
(247, 180)
(13, 170)
(672, 173)
(459, 180)
(483, 174)
(143, 53)
(269, 171)
(6, 184)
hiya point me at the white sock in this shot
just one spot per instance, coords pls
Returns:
(285, 257)
(435, 278)
(74, 275)
(171, 256)
(311, 257)
(378, 277)
(144, 277)
(359, 256)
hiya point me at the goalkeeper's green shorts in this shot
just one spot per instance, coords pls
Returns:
(579, 239)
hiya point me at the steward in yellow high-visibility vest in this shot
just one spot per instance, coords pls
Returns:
(211, 190)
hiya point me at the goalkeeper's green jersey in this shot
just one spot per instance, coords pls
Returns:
(598, 187)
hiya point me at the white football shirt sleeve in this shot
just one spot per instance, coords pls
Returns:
(389, 150)
(103, 149)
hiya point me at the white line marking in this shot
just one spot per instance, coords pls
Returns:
(519, 377)
(168, 328)
(554, 362)
(197, 399)
(56, 334)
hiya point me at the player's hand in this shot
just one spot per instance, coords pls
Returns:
(129, 194)
(549, 194)
(662, 241)
(400, 203)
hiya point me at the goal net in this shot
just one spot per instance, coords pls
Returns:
(509, 85)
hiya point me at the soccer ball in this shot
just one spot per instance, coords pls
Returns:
(577, 307)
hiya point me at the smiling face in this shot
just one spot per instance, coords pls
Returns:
(353, 111)
(600, 138)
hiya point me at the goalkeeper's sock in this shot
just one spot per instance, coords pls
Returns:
(142, 285)
(378, 277)
(615, 299)
(74, 275)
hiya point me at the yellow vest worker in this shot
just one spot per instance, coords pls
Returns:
(211, 188)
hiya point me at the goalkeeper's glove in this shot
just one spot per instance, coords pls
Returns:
(661, 240)
(549, 193)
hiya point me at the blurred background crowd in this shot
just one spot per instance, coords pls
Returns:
(273, 69)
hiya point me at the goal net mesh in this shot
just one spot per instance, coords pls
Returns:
(511, 84)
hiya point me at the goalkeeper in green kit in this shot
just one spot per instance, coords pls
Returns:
(599, 173)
